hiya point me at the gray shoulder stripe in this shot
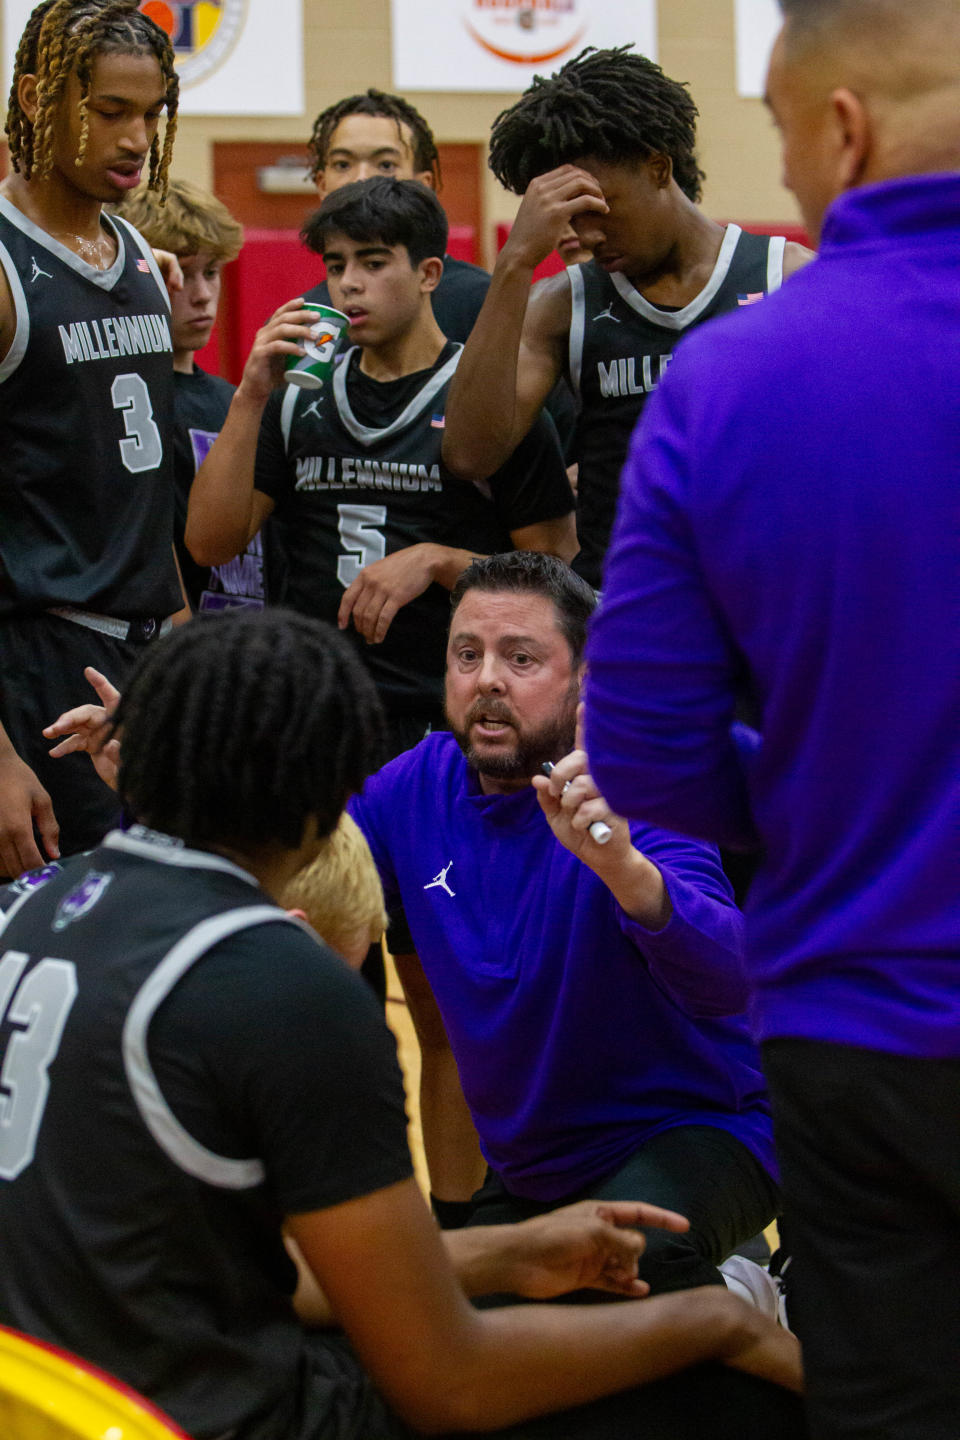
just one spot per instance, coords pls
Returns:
(364, 434)
(186, 1152)
(145, 250)
(21, 334)
(778, 245)
(174, 855)
(577, 322)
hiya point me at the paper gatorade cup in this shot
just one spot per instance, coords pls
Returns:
(311, 370)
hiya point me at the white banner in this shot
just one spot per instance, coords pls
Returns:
(757, 24)
(234, 57)
(501, 44)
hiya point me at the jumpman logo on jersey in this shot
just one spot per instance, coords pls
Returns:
(314, 409)
(441, 881)
(608, 315)
(37, 272)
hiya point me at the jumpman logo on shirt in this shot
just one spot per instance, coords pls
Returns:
(608, 315)
(314, 409)
(441, 881)
(37, 272)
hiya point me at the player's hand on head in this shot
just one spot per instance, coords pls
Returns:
(594, 1244)
(383, 588)
(87, 728)
(281, 337)
(550, 203)
(24, 803)
(169, 267)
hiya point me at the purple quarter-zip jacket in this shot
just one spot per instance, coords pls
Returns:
(790, 513)
(578, 1034)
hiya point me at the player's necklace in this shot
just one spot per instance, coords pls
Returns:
(95, 252)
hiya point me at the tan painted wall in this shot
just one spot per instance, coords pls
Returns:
(348, 42)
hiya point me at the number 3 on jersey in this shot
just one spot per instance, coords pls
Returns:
(360, 538)
(37, 1014)
(143, 447)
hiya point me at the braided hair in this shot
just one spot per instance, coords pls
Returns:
(66, 35)
(612, 105)
(238, 728)
(375, 102)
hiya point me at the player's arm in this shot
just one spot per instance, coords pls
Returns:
(593, 1244)
(795, 257)
(225, 511)
(517, 349)
(551, 537)
(24, 803)
(450, 1143)
(442, 1365)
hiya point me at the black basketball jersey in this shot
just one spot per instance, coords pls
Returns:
(153, 1138)
(86, 395)
(356, 473)
(620, 346)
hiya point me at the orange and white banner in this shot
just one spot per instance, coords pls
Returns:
(758, 24)
(501, 44)
(234, 57)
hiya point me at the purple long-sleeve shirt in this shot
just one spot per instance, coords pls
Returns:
(577, 1033)
(791, 510)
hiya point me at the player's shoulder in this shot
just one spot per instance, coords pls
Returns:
(15, 892)
(464, 273)
(214, 385)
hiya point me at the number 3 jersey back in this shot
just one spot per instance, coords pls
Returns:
(86, 397)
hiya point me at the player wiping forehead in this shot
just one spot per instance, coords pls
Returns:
(607, 146)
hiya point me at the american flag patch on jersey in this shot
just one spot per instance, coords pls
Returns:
(143, 265)
(438, 422)
(750, 299)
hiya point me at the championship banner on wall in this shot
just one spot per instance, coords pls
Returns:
(757, 25)
(234, 57)
(501, 44)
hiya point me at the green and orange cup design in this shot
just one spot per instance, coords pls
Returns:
(313, 369)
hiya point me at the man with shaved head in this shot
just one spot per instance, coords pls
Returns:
(812, 558)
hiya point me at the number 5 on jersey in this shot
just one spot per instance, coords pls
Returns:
(35, 1008)
(360, 538)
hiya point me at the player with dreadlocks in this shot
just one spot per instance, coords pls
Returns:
(606, 144)
(376, 133)
(86, 564)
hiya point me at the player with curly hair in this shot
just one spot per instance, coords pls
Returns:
(376, 133)
(607, 144)
(86, 565)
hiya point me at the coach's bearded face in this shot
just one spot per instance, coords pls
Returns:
(512, 688)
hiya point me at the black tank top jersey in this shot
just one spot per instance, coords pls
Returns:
(356, 473)
(86, 395)
(143, 1228)
(620, 346)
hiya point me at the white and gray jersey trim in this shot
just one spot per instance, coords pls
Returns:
(364, 434)
(21, 334)
(103, 279)
(675, 320)
(177, 1143)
